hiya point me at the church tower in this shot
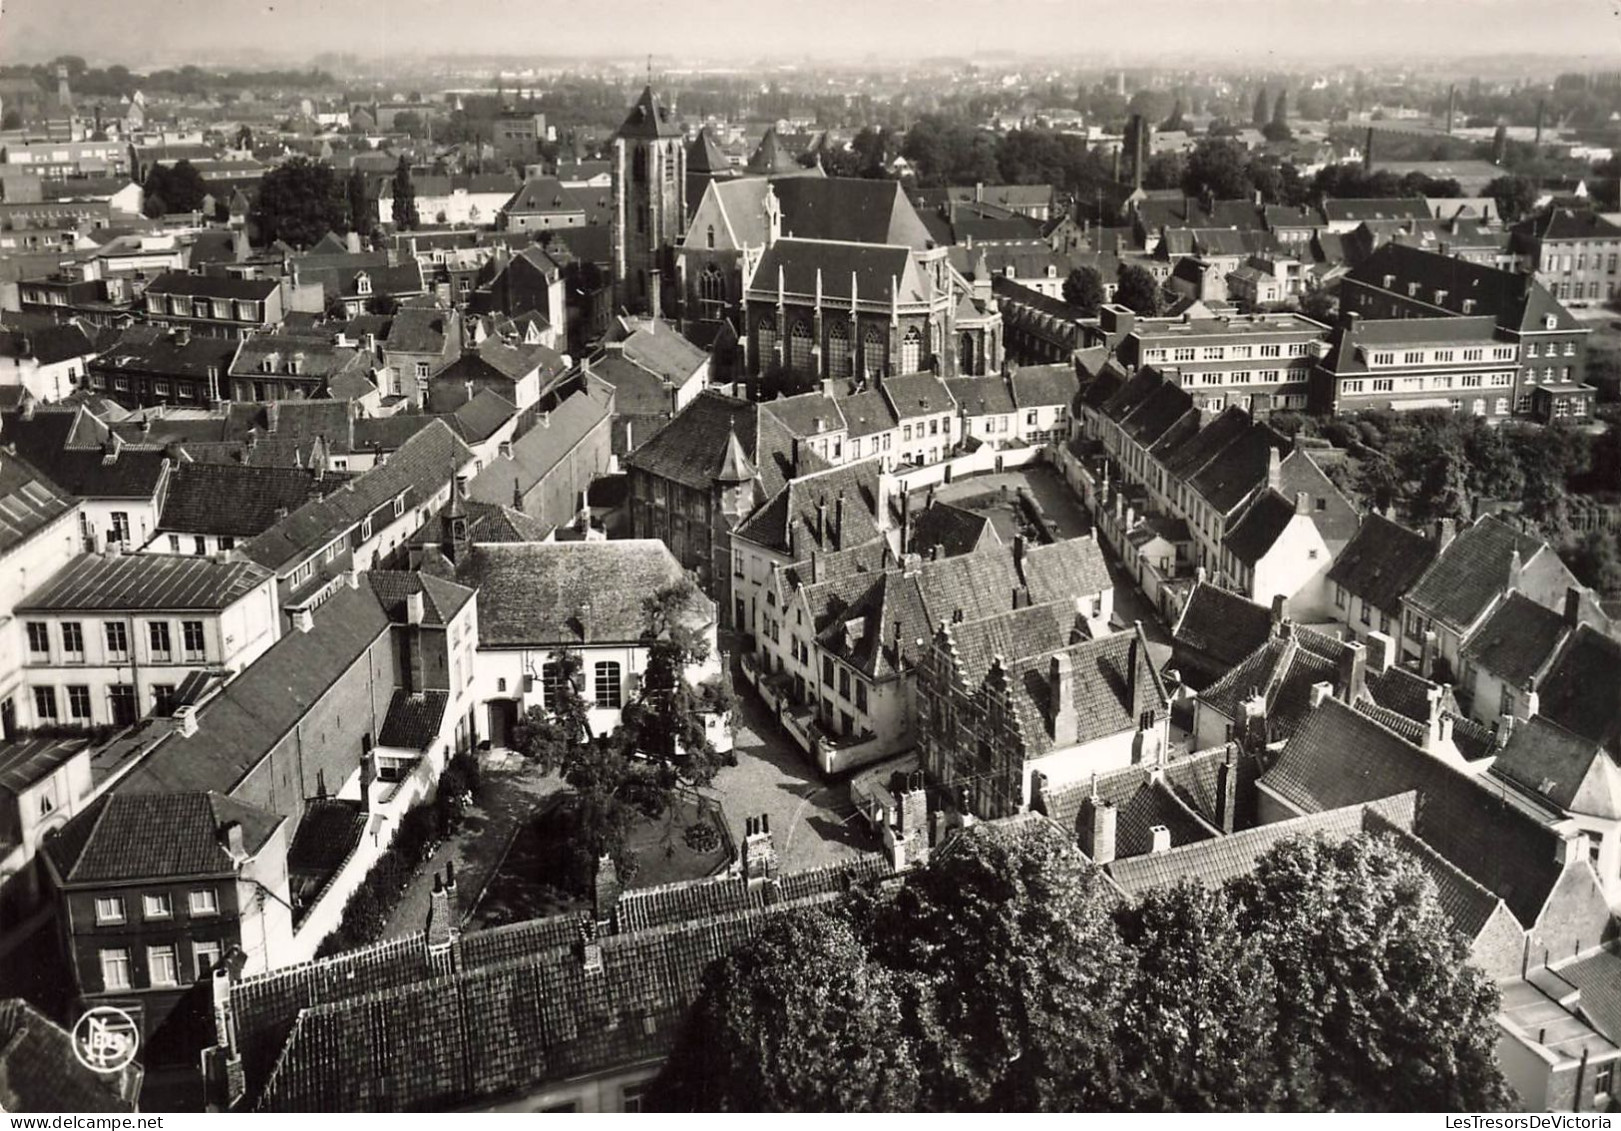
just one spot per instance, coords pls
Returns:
(650, 205)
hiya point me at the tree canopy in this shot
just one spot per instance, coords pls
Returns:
(1516, 196)
(300, 201)
(405, 197)
(1005, 975)
(1139, 290)
(178, 187)
(1084, 290)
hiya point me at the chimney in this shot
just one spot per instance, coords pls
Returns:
(414, 607)
(440, 931)
(759, 851)
(224, 1080)
(906, 522)
(368, 772)
(1274, 470)
(838, 522)
(1302, 502)
(1098, 819)
(1278, 616)
(1018, 558)
(184, 720)
(1432, 717)
(1062, 718)
(1161, 838)
(1446, 530)
(607, 889)
(1319, 692)
(1227, 791)
(914, 811)
(231, 835)
(1533, 701)
(1578, 605)
(1353, 672)
(1426, 653)
(1516, 566)
(821, 523)
(1381, 650)
(303, 618)
(654, 298)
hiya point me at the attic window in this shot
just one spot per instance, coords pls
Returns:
(363, 283)
(1550, 321)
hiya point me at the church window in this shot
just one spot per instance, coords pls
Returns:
(711, 285)
(911, 351)
(799, 349)
(967, 357)
(838, 350)
(766, 336)
(872, 351)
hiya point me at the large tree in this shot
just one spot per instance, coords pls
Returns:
(361, 219)
(1379, 1007)
(405, 196)
(1014, 974)
(1084, 290)
(1139, 290)
(800, 1018)
(180, 186)
(1216, 170)
(300, 201)
(1259, 116)
(1515, 196)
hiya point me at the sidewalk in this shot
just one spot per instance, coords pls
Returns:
(511, 791)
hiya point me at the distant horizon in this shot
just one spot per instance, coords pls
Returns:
(1265, 34)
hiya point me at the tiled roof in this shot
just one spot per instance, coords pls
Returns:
(145, 581)
(1196, 782)
(1214, 862)
(413, 720)
(1239, 468)
(1141, 800)
(441, 599)
(548, 594)
(1342, 757)
(917, 394)
(1382, 561)
(40, 1070)
(1220, 627)
(1582, 690)
(658, 346)
(417, 330)
(1404, 208)
(690, 449)
(48, 345)
(328, 831)
(1113, 685)
(1598, 976)
(1517, 301)
(151, 836)
(1283, 670)
(812, 501)
(1573, 772)
(1473, 569)
(807, 414)
(953, 529)
(641, 909)
(981, 396)
(314, 358)
(866, 413)
(235, 499)
(1042, 385)
(1517, 639)
(417, 471)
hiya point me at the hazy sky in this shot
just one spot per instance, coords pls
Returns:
(1292, 30)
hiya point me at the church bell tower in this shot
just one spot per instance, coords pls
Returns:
(650, 205)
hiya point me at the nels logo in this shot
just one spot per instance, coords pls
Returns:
(105, 1039)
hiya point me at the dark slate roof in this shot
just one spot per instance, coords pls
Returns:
(657, 345)
(1382, 561)
(29, 501)
(981, 396)
(1240, 467)
(1516, 300)
(417, 330)
(145, 581)
(1582, 690)
(1573, 772)
(1114, 684)
(879, 272)
(807, 414)
(541, 449)
(328, 831)
(1221, 625)
(486, 522)
(235, 499)
(704, 156)
(212, 286)
(413, 720)
(1377, 208)
(554, 593)
(79, 454)
(1262, 524)
(442, 599)
(1196, 782)
(1598, 976)
(1283, 670)
(850, 210)
(239, 726)
(40, 1070)
(649, 118)
(917, 394)
(690, 449)
(1342, 757)
(1469, 574)
(49, 344)
(152, 836)
(1516, 640)
(1572, 224)
(314, 358)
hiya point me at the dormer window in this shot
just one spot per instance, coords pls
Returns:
(1440, 297)
(1550, 321)
(270, 362)
(363, 283)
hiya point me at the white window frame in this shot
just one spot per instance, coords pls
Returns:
(109, 909)
(158, 906)
(203, 901)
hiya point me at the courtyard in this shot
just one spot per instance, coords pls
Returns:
(995, 495)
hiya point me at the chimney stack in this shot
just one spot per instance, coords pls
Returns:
(1161, 839)
(1516, 566)
(1062, 717)
(441, 931)
(607, 889)
(1381, 651)
(1446, 530)
(1227, 791)
(838, 522)
(1098, 820)
(1274, 470)
(1353, 672)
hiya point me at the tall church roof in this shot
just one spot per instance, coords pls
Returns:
(773, 156)
(704, 156)
(649, 119)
